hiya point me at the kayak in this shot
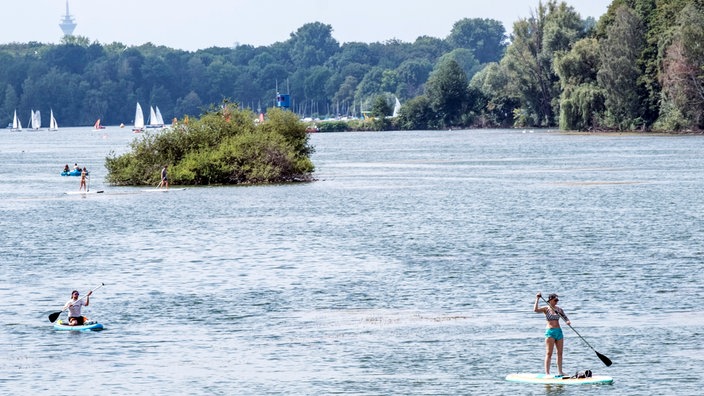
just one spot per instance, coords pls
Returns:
(86, 326)
(558, 380)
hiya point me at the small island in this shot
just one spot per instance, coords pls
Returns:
(226, 146)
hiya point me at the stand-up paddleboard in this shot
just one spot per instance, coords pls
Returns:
(84, 192)
(87, 326)
(162, 189)
(558, 380)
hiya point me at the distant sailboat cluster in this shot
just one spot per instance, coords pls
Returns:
(35, 122)
(156, 121)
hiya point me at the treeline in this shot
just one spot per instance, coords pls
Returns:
(82, 81)
(640, 67)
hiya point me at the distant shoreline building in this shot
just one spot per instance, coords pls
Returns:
(67, 24)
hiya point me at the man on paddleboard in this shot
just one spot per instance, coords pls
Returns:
(554, 338)
(74, 308)
(164, 178)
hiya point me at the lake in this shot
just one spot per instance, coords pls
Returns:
(409, 267)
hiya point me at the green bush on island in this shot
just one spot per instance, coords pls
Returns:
(224, 146)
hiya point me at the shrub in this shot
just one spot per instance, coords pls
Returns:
(224, 147)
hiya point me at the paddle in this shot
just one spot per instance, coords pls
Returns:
(55, 315)
(603, 358)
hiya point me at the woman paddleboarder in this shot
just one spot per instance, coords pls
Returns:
(554, 339)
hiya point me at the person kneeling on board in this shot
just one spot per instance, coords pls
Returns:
(74, 306)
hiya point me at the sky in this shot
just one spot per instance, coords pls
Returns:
(192, 25)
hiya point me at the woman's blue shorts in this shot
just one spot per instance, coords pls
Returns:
(555, 332)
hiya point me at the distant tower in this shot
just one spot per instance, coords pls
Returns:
(67, 25)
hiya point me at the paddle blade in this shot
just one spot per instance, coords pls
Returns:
(53, 316)
(604, 359)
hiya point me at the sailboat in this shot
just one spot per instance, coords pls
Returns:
(36, 120)
(159, 118)
(16, 124)
(138, 120)
(53, 125)
(155, 118)
(97, 126)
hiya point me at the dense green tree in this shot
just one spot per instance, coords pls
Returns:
(682, 77)
(313, 45)
(448, 93)
(619, 71)
(465, 59)
(427, 49)
(370, 84)
(500, 97)
(417, 114)
(9, 105)
(551, 29)
(582, 100)
(486, 38)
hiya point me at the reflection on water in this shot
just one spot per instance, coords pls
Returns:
(409, 267)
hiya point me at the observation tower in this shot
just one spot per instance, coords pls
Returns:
(67, 24)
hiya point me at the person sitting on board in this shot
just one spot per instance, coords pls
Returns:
(164, 178)
(75, 166)
(84, 172)
(554, 339)
(74, 308)
(67, 169)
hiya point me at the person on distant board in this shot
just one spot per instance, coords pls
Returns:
(164, 178)
(554, 339)
(75, 318)
(84, 172)
(66, 168)
(75, 166)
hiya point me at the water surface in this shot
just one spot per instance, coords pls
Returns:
(409, 267)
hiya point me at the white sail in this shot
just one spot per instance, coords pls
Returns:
(159, 118)
(36, 120)
(138, 118)
(397, 108)
(53, 125)
(152, 116)
(16, 123)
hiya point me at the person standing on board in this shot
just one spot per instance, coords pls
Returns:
(74, 308)
(164, 178)
(554, 338)
(84, 174)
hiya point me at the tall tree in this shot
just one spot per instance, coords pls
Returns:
(486, 38)
(682, 77)
(313, 44)
(619, 71)
(551, 28)
(447, 90)
(581, 101)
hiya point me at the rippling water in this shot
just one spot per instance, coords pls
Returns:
(409, 267)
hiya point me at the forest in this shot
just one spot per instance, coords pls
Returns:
(639, 67)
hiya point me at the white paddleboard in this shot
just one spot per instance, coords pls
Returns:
(529, 378)
(162, 189)
(84, 192)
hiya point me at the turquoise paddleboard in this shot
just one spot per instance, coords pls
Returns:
(88, 326)
(557, 380)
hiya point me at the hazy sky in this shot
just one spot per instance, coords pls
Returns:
(192, 25)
